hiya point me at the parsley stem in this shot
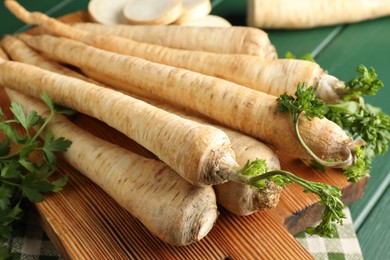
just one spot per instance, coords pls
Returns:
(330, 196)
(43, 126)
(334, 164)
(9, 156)
(3, 180)
(30, 140)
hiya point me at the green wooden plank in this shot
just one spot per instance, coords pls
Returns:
(74, 5)
(374, 233)
(9, 23)
(232, 10)
(367, 43)
(379, 182)
(364, 43)
(301, 42)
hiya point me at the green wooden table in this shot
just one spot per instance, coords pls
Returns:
(339, 49)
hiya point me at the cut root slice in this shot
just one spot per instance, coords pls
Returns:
(208, 21)
(107, 12)
(152, 12)
(194, 10)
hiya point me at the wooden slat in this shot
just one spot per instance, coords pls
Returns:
(86, 223)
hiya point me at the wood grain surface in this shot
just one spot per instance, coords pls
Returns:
(85, 223)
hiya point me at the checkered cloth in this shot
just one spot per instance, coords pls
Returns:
(30, 242)
(344, 245)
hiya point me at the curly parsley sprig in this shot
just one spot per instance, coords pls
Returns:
(20, 175)
(306, 103)
(362, 120)
(255, 173)
(366, 83)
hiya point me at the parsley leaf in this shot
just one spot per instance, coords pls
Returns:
(27, 121)
(20, 175)
(307, 56)
(362, 120)
(364, 84)
(305, 100)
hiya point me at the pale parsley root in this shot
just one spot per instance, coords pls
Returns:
(20, 176)
(305, 103)
(255, 174)
(360, 121)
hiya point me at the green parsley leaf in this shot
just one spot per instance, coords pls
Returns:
(56, 145)
(307, 56)
(52, 145)
(5, 147)
(47, 100)
(366, 122)
(20, 177)
(364, 84)
(305, 100)
(27, 121)
(12, 133)
(59, 183)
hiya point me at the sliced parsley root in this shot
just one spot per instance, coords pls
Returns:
(21, 176)
(255, 173)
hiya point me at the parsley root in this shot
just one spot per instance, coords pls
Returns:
(27, 163)
(3, 55)
(260, 45)
(254, 113)
(250, 41)
(150, 190)
(242, 199)
(205, 158)
(236, 197)
(19, 51)
(272, 76)
(148, 12)
(266, 181)
(307, 14)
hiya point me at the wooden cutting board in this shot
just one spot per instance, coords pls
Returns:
(83, 222)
